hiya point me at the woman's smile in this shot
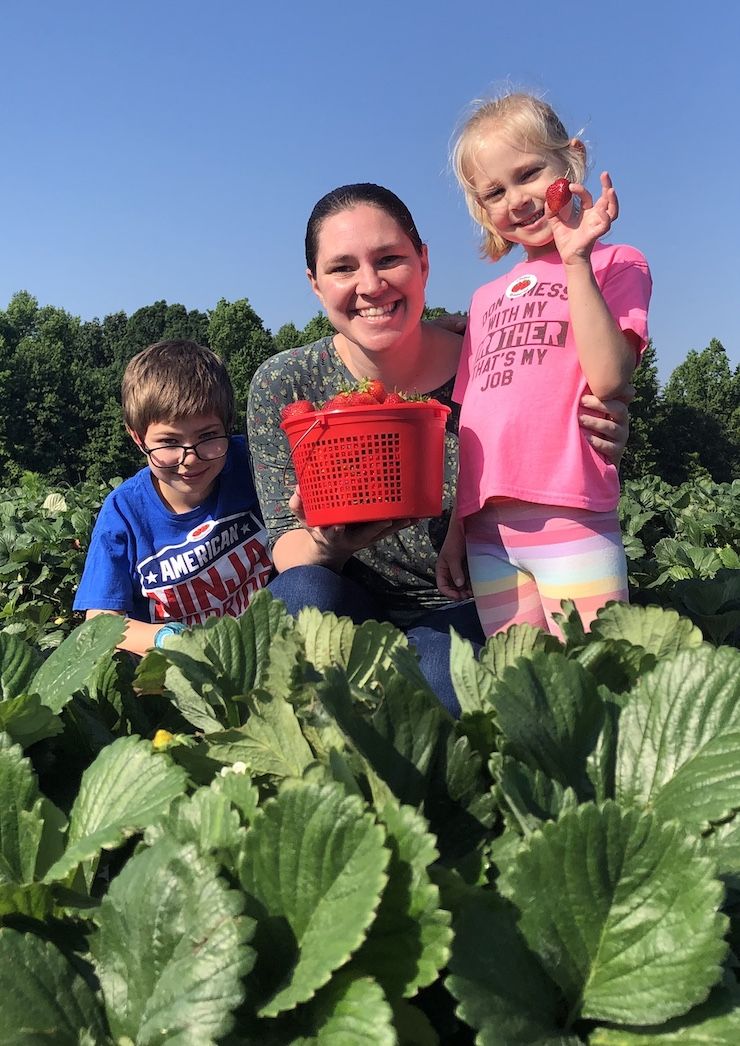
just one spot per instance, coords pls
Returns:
(375, 312)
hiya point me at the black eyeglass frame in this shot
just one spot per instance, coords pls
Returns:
(184, 447)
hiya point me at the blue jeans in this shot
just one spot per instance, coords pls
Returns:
(319, 587)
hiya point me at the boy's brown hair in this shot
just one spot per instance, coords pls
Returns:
(175, 379)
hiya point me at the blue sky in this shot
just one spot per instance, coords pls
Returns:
(174, 150)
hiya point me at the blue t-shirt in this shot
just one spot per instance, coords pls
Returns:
(156, 565)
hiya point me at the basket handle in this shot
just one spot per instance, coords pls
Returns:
(310, 428)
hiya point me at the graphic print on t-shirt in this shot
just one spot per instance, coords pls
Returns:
(519, 334)
(215, 571)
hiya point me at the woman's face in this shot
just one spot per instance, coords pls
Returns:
(369, 277)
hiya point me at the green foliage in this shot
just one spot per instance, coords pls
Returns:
(317, 327)
(689, 430)
(320, 854)
(311, 850)
(45, 997)
(171, 948)
(237, 334)
(620, 912)
(676, 536)
(44, 532)
(641, 455)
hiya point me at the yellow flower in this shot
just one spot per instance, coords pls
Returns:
(162, 739)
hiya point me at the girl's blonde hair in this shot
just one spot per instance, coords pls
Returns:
(523, 118)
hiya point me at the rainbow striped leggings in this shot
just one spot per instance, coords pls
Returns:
(523, 559)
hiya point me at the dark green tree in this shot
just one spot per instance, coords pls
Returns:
(287, 337)
(705, 380)
(700, 433)
(317, 327)
(641, 455)
(42, 432)
(238, 335)
(20, 317)
(154, 323)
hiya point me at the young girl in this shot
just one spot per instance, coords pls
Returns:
(536, 504)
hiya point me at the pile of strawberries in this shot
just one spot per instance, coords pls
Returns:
(370, 392)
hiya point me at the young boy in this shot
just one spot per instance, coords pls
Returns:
(183, 539)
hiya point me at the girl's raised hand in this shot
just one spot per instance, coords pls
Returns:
(575, 234)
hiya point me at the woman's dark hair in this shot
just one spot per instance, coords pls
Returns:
(347, 196)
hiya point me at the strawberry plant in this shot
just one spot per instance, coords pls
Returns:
(678, 539)
(271, 832)
(44, 532)
(294, 843)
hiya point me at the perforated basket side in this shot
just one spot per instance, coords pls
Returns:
(367, 464)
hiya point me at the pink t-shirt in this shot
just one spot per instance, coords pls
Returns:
(520, 384)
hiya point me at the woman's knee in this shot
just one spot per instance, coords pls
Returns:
(317, 586)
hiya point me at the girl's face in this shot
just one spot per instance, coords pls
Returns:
(510, 185)
(369, 277)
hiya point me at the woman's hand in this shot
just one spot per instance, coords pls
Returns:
(330, 546)
(456, 322)
(452, 564)
(608, 430)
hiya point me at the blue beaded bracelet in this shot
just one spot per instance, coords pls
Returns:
(172, 628)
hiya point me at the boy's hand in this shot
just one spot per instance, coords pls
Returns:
(576, 230)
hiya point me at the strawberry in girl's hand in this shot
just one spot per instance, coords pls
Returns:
(558, 194)
(292, 410)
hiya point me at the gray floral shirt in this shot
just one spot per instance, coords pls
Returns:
(399, 570)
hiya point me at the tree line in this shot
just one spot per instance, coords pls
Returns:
(60, 383)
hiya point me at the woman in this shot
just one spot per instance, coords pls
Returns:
(368, 267)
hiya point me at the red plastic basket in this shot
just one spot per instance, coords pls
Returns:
(369, 463)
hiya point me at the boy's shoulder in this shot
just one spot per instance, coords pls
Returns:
(132, 494)
(237, 468)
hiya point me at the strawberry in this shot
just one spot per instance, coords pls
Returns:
(337, 402)
(360, 399)
(558, 194)
(350, 398)
(392, 399)
(292, 410)
(375, 388)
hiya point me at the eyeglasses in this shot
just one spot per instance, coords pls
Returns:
(173, 455)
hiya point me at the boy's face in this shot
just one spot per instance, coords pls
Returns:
(187, 485)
